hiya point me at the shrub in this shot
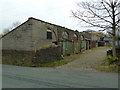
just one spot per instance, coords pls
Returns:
(112, 59)
(109, 64)
(109, 60)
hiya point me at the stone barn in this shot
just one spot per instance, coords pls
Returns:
(22, 44)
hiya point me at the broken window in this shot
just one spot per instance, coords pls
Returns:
(49, 34)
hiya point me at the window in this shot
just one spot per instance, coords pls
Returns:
(49, 34)
(75, 36)
(65, 35)
(82, 38)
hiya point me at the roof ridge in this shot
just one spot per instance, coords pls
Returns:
(52, 24)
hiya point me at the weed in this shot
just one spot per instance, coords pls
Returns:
(109, 64)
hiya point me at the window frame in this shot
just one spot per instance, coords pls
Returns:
(49, 34)
(75, 36)
(65, 35)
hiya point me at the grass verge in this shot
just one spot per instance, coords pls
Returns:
(109, 64)
(65, 60)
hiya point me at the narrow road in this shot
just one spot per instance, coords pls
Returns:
(87, 61)
(27, 77)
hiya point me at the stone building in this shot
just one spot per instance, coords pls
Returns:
(35, 34)
(85, 40)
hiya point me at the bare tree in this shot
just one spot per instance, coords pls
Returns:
(101, 13)
(14, 25)
(6, 30)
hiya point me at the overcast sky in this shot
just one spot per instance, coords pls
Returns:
(53, 11)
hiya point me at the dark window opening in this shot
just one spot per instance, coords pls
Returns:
(49, 35)
(55, 42)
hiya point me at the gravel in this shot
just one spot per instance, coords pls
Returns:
(88, 61)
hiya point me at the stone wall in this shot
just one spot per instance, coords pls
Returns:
(47, 55)
(19, 38)
(15, 57)
(39, 33)
(29, 58)
(71, 33)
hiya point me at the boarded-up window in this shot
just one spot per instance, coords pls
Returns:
(49, 34)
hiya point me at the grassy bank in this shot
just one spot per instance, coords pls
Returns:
(109, 64)
(65, 60)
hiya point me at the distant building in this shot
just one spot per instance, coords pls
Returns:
(108, 40)
(1, 35)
